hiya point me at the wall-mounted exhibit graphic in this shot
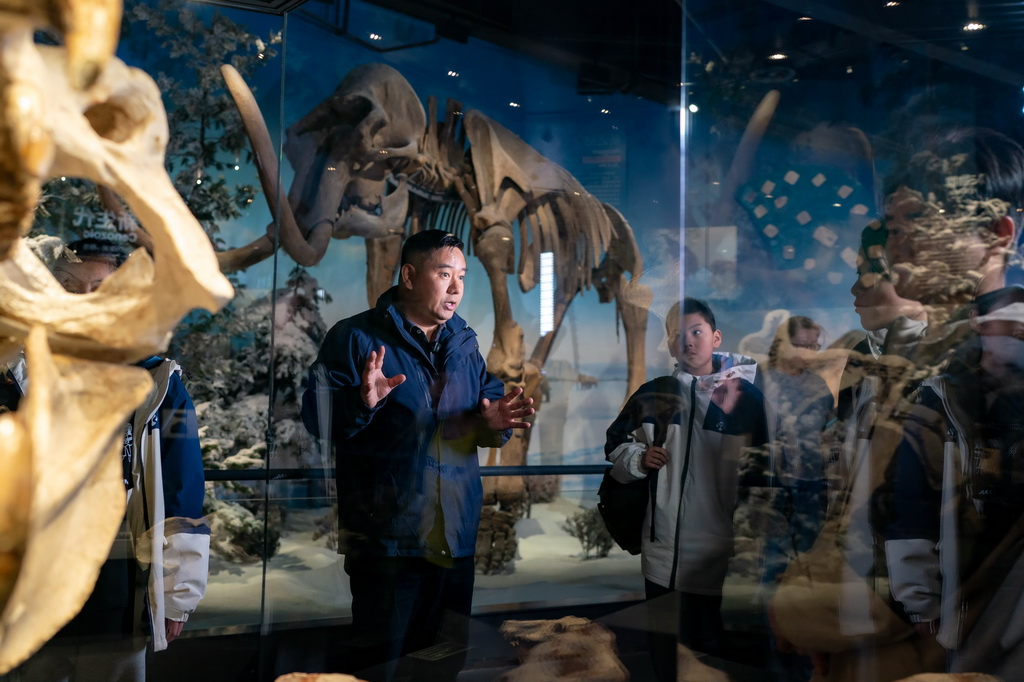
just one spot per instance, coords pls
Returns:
(77, 111)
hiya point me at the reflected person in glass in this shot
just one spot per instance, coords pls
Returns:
(950, 218)
(155, 575)
(955, 537)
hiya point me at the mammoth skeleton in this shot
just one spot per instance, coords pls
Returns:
(78, 111)
(370, 162)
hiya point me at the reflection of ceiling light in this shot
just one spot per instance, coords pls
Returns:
(453, 74)
(514, 105)
(892, 3)
(693, 108)
(804, 19)
(777, 56)
(375, 36)
(974, 26)
(849, 69)
(605, 111)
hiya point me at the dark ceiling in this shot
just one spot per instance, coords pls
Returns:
(637, 47)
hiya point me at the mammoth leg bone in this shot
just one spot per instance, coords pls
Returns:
(494, 248)
(382, 256)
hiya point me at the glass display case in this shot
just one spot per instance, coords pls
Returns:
(840, 183)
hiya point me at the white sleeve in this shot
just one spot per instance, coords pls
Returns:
(186, 559)
(914, 577)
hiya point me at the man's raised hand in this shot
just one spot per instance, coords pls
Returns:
(375, 386)
(508, 411)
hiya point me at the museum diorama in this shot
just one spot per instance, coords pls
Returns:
(391, 340)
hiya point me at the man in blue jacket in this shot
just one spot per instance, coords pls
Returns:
(404, 395)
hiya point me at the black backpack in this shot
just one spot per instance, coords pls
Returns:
(623, 506)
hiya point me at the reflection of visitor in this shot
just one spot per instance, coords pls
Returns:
(950, 213)
(955, 541)
(155, 572)
(404, 396)
(798, 403)
(688, 430)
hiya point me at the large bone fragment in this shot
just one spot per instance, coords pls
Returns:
(63, 497)
(114, 134)
(565, 650)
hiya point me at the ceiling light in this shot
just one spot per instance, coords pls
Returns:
(376, 36)
(777, 56)
(974, 26)
(693, 108)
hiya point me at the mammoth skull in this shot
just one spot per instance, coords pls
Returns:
(344, 150)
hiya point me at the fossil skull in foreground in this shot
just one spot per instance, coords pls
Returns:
(77, 111)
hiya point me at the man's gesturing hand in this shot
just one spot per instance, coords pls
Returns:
(507, 411)
(375, 386)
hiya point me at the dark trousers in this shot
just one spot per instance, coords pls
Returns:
(408, 607)
(698, 626)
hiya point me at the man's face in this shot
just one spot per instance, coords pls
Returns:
(694, 344)
(432, 291)
(83, 277)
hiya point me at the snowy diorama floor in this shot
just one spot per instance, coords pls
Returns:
(306, 582)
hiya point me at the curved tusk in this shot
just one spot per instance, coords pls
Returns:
(305, 249)
(242, 257)
(739, 171)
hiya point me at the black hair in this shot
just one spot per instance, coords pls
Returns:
(695, 305)
(689, 306)
(92, 248)
(426, 242)
(998, 158)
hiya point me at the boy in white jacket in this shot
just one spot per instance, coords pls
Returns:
(688, 430)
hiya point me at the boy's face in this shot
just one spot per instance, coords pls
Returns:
(935, 253)
(693, 345)
(877, 302)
